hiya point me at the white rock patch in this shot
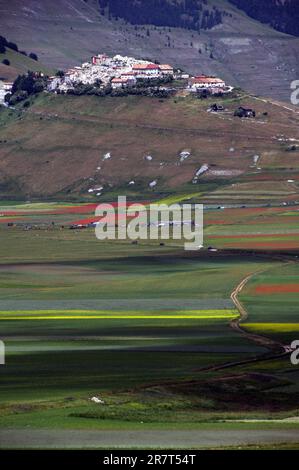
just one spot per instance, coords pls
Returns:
(202, 170)
(97, 400)
(184, 155)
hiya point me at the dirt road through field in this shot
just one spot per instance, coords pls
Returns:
(260, 340)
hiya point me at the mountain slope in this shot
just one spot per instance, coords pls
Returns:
(241, 50)
(192, 14)
(282, 15)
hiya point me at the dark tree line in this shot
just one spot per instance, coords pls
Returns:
(282, 15)
(190, 14)
(26, 85)
(144, 87)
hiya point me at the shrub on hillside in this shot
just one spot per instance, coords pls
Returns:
(31, 82)
(17, 97)
(153, 82)
(4, 43)
(12, 46)
(26, 85)
(84, 89)
(33, 56)
(5, 62)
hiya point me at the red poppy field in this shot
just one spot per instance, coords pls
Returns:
(277, 289)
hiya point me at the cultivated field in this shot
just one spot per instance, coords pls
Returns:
(144, 328)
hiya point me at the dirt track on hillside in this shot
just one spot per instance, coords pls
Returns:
(115, 122)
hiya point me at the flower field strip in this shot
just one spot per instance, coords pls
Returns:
(249, 214)
(272, 327)
(253, 211)
(108, 218)
(79, 209)
(258, 235)
(255, 240)
(277, 289)
(275, 245)
(291, 220)
(123, 315)
(177, 198)
(7, 220)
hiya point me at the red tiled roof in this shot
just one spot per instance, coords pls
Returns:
(152, 67)
(145, 67)
(204, 79)
(165, 67)
(139, 67)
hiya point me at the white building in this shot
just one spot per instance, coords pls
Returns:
(128, 76)
(202, 81)
(123, 82)
(146, 70)
(99, 59)
(120, 71)
(5, 88)
(166, 69)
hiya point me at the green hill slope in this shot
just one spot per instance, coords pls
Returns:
(19, 64)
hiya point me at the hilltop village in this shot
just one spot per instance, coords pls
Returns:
(115, 76)
(121, 72)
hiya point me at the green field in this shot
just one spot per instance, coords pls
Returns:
(272, 311)
(141, 327)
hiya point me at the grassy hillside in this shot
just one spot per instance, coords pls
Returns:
(19, 64)
(57, 148)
